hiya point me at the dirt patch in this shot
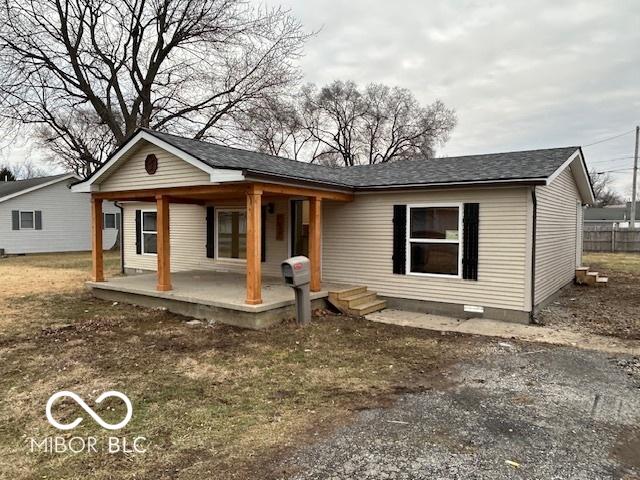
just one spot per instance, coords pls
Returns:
(611, 310)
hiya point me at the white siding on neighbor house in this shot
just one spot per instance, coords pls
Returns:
(188, 237)
(556, 234)
(358, 248)
(172, 172)
(66, 221)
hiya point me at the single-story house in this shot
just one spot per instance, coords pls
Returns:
(485, 235)
(611, 216)
(41, 215)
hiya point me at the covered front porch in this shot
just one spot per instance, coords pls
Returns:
(249, 290)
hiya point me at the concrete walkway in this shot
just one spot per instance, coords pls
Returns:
(500, 329)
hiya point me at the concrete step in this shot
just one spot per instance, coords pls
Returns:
(359, 299)
(370, 307)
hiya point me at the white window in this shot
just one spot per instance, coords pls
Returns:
(231, 232)
(27, 220)
(149, 232)
(109, 220)
(433, 239)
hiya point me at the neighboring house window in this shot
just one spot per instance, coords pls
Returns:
(149, 232)
(109, 220)
(433, 240)
(232, 233)
(27, 220)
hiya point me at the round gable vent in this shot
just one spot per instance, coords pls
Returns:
(151, 164)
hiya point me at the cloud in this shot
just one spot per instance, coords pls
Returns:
(521, 74)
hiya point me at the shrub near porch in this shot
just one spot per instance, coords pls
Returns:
(214, 401)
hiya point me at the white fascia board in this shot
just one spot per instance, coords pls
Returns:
(580, 174)
(216, 175)
(38, 187)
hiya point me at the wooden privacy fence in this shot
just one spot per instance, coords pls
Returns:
(608, 239)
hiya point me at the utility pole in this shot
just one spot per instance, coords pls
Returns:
(634, 193)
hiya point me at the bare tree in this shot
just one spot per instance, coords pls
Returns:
(332, 115)
(87, 73)
(340, 125)
(603, 191)
(275, 126)
(6, 174)
(396, 126)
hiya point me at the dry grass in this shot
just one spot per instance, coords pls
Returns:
(618, 262)
(214, 401)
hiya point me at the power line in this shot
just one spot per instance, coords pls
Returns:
(616, 170)
(610, 138)
(615, 159)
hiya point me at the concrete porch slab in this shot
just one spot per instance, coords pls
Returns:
(209, 295)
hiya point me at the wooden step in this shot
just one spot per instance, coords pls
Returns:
(369, 307)
(353, 301)
(602, 281)
(591, 278)
(347, 292)
(581, 273)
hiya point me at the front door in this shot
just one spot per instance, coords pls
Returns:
(299, 228)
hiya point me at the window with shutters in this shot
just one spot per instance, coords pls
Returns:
(149, 232)
(434, 234)
(27, 220)
(109, 220)
(231, 231)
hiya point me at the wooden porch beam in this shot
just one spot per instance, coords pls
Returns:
(304, 192)
(238, 188)
(315, 239)
(163, 242)
(254, 224)
(97, 273)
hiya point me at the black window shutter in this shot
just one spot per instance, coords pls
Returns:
(37, 219)
(470, 241)
(211, 232)
(15, 220)
(138, 232)
(118, 220)
(263, 234)
(399, 239)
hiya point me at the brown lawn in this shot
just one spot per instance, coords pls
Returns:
(213, 401)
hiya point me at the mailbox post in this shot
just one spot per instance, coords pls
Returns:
(297, 274)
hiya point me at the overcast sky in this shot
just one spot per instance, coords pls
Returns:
(520, 74)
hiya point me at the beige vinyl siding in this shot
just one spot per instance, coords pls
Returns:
(172, 172)
(358, 248)
(556, 233)
(188, 240)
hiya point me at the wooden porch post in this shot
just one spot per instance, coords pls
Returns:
(315, 236)
(164, 257)
(254, 223)
(96, 240)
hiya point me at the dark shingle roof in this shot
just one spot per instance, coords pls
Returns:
(9, 188)
(531, 164)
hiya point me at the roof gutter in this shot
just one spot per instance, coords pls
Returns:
(534, 199)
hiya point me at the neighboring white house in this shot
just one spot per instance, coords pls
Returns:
(43, 215)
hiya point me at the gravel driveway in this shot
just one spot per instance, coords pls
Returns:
(554, 412)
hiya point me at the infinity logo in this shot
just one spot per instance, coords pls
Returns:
(89, 410)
